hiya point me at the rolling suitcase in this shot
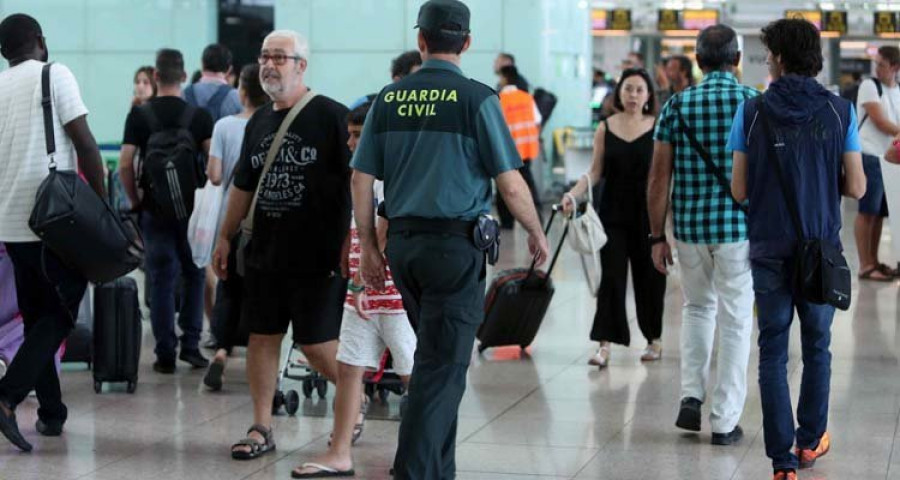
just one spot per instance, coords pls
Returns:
(517, 301)
(117, 333)
(79, 344)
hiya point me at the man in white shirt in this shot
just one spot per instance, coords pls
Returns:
(49, 292)
(878, 107)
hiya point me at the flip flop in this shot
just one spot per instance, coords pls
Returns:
(867, 275)
(323, 472)
(257, 448)
(10, 429)
(886, 270)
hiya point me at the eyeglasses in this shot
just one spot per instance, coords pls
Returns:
(278, 59)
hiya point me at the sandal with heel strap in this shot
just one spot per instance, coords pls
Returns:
(257, 448)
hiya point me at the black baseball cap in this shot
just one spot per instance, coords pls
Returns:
(448, 16)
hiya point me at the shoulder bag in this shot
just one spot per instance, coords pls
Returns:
(588, 236)
(79, 226)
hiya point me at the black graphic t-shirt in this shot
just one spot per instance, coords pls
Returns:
(303, 212)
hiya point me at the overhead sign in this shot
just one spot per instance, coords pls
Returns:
(669, 19)
(606, 20)
(834, 21)
(886, 23)
(812, 16)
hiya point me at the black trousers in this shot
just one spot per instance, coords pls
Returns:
(49, 294)
(442, 279)
(628, 244)
(227, 325)
(506, 217)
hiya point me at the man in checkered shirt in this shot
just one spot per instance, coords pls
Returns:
(710, 234)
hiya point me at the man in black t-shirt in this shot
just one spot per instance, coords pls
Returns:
(294, 260)
(168, 253)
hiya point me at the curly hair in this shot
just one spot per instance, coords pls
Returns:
(797, 43)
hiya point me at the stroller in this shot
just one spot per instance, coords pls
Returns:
(382, 382)
(300, 371)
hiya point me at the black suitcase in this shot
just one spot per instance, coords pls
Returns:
(79, 344)
(117, 333)
(517, 301)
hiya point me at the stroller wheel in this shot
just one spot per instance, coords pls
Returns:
(292, 402)
(383, 394)
(307, 388)
(322, 388)
(277, 402)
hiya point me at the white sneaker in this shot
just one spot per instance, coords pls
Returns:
(601, 358)
(653, 352)
(2, 368)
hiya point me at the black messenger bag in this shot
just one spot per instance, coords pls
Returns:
(77, 224)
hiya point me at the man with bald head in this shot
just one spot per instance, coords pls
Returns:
(292, 192)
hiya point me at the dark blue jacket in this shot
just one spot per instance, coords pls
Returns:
(812, 125)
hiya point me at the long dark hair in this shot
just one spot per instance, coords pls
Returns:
(650, 107)
(148, 71)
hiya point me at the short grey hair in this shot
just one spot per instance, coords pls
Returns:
(717, 48)
(301, 45)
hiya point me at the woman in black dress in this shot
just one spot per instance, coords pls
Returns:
(623, 150)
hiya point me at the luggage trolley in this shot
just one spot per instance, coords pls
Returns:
(299, 371)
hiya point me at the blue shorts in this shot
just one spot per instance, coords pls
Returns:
(874, 201)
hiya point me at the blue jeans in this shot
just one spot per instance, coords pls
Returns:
(775, 307)
(168, 256)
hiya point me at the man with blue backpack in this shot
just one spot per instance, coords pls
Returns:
(212, 92)
(174, 139)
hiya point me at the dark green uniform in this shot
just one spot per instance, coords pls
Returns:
(436, 138)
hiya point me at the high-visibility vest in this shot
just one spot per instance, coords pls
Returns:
(518, 110)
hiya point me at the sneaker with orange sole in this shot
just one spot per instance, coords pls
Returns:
(785, 475)
(808, 456)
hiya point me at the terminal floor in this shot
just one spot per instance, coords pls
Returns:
(541, 416)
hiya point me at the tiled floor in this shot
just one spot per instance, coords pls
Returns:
(546, 415)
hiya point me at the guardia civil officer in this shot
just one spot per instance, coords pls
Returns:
(437, 138)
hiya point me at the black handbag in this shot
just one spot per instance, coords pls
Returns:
(75, 223)
(821, 274)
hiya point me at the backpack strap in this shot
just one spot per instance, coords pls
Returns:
(187, 116)
(215, 102)
(189, 95)
(880, 88)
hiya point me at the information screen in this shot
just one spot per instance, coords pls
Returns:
(669, 19)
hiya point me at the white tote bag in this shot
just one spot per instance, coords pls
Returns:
(587, 237)
(204, 223)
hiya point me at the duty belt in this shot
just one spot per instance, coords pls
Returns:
(431, 225)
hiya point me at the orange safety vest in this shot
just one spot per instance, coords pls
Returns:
(518, 110)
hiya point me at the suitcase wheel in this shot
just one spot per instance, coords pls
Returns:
(98, 386)
(383, 394)
(307, 388)
(132, 386)
(277, 402)
(292, 402)
(322, 388)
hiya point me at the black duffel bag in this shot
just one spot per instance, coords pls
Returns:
(75, 223)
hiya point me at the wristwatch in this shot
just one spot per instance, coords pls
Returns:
(655, 240)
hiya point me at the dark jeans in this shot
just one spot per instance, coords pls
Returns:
(506, 217)
(775, 308)
(226, 324)
(49, 294)
(628, 244)
(441, 279)
(168, 254)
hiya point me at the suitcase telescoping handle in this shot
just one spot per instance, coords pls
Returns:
(555, 208)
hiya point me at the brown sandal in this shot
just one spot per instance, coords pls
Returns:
(868, 275)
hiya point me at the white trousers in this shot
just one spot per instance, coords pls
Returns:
(718, 292)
